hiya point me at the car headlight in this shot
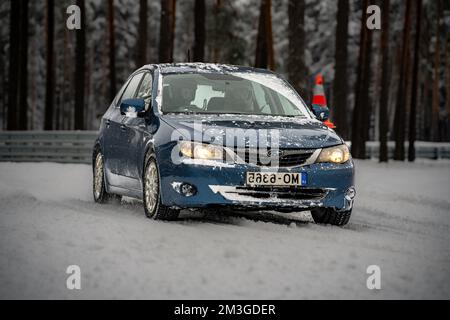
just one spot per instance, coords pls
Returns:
(337, 154)
(201, 151)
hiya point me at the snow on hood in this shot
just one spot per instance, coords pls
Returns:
(293, 132)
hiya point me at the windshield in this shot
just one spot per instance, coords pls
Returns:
(231, 93)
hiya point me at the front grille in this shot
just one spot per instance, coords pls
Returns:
(288, 157)
(291, 193)
(291, 160)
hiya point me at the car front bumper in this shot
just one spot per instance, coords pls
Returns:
(219, 184)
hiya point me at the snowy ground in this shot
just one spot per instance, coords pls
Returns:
(48, 220)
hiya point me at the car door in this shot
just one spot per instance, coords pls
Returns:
(117, 156)
(136, 130)
(113, 120)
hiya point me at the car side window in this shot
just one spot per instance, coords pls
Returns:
(130, 91)
(119, 94)
(145, 89)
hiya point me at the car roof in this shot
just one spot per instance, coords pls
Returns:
(190, 67)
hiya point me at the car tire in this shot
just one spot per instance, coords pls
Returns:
(98, 181)
(153, 207)
(331, 216)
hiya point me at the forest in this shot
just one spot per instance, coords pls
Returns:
(386, 84)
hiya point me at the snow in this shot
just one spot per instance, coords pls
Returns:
(211, 163)
(49, 221)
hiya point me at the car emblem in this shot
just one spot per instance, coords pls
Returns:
(275, 153)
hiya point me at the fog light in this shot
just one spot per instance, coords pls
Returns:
(188, 190)
(350, 193)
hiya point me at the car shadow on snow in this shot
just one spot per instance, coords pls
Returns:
(234, 217)
(133, 207)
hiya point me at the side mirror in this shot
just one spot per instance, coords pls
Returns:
(132, 108)
(322, 113)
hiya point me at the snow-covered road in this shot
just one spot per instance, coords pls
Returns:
(48, 221)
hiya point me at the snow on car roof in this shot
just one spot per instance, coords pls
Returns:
(190, 67)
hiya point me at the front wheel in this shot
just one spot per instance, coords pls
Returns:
(152, 196)
(331, 216)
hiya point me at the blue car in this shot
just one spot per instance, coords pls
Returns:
(209, 136)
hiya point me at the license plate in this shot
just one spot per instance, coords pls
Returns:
(276, 179)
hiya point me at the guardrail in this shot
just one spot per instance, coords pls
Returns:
(47, 146)
(76, 147)
(424, 149)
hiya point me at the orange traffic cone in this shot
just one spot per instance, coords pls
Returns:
(319, 93)
(319, 98)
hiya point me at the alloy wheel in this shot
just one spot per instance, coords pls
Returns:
(151, 187)
(98, 176)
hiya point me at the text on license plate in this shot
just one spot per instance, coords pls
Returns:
(276, 179)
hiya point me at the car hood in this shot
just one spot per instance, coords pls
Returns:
(293, 133)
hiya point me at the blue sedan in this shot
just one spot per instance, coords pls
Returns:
(209, 136)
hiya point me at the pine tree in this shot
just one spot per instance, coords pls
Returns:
(142, 35)
(384, 94)
(264, 57)
(18, 77)
(199, 30)
(436, 78)
(13, 65)
(167, 31)
(80, 69)
(447, 92)
(415, 83)
(296, 67)
(112, 51)
(50, 74)
(361, 111)
(340, 86)
(399, 121)
(23, 67)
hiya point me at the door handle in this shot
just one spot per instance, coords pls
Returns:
(123, 128)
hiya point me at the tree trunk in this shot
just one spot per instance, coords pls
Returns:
(297, 70)
(415, 84)
(23, 66)
(112, 51)
(142, 35)
(67, 80)
(447, 92)
(167, 31)
(340, 86)
(199, 31)
(3, 94)
(436, 80)
(428, 78)
(399, 122)
(50, 80)
(366, 111)
(80, 62)
(216, 52)
(264, 57)
(13, 103)
(384, 94)
(361, 112)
